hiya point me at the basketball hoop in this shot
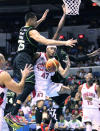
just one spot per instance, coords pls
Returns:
(72, 6)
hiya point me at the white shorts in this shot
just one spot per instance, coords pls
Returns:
(3, 124)
(51, 91)
(93, 116)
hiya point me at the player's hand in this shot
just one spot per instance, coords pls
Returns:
(67, 61)
(88, 98)
(70, 42)
(27, 70)
(45, 14)
(94, 53)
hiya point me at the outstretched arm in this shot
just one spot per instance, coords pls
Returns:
(61, 23)
(12, 85)
(94, 53)
(41, 39)
(42, 18)
(85, 57)
(63, 72)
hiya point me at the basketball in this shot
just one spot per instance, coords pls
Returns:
(52, 65)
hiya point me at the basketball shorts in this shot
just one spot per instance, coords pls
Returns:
(92, 115)
(51, 91)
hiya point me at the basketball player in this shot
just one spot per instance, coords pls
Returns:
(90, 93)
(6, 82)
(43, 83)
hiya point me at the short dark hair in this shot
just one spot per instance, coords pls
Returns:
(29, 15)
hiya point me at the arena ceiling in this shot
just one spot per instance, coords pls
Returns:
(36, 5)
(14, 8)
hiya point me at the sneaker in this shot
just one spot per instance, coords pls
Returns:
(14, 119)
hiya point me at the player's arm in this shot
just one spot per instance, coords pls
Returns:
(42, 18)
(78, 94)
(85, 57)
(36, 55)
(98, 90)
(41, 39)
(61, 23)
(9, 83)
(64, 72)
(94, 53)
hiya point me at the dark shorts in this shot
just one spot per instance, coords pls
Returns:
(19, 63)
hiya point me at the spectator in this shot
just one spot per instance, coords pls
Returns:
(75, 124)
(62, 124)
(67, 114)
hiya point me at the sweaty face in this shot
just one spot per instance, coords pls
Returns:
(51, 51)
(89, 77)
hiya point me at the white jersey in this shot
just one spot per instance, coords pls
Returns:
(3, 90)
(91, 93)
(42, 76)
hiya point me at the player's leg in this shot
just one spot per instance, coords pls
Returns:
(39, 98)
(20, 61)
(56, 89)
(28, 88)
(52, 91)
(38, 114)
(96, 119)
(87, 119)
(88, 126)
(65, 90)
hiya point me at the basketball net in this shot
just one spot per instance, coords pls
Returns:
(72, 6)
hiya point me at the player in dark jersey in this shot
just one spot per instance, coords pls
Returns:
(10, 100)
(28, 44)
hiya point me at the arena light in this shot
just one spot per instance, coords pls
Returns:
(81, 36)
(97, 2)
(61, 37)
(94, 4)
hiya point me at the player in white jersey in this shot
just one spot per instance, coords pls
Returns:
(43, 83)
(90, 93)
(6, 82)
